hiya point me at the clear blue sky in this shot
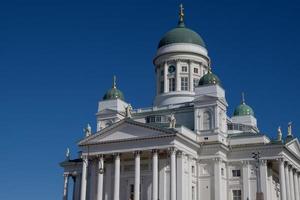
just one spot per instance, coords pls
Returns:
(57, 59)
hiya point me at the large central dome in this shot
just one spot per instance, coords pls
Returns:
(181, 34)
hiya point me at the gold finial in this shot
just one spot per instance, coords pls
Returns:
(243, 98)
(181, 13)
(114, 81)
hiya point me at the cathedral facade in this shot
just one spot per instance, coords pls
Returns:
(184, 147)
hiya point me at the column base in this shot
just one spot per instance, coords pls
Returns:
(259, 196)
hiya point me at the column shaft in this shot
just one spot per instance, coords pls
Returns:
(117, 178)
(246, 185)
(291, 183)
(217, 179)
(173, 174)
(137, 176)
(191, 79)
(66, 183)
(100, 178)
(155, 175)
(287, 182)
(178, 78)
(84, 178)
(296, 186)
(263, 178)
(282, 180)
(166, 85)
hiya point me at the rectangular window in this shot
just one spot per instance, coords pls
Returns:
(236, 173)
(184, 68)
(184, 83)
(196, 70)
(236, 195)
(172, 84)
(196, 82)
(162, 85)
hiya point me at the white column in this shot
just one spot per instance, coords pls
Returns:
(117, 178)
(287, 182)
(263, 178)
(296, 185)
(181, 181)
(173, 174)
(84, 178)
(217, 179)
(291, 183)
(178, 79)
(282, 180)
(246, 185)
(166, 85)
(157, 70)
(100, 178)
(66, 183)
(154, 175)
(191, 81)
(137, 175)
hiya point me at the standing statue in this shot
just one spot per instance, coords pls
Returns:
(88, 130)
(128, 111)
(279, 134)
(68, 154)
(290, 129)
(172, 120)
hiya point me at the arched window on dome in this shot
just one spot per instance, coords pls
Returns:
(207, 120)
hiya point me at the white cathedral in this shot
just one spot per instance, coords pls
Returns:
(184, 147)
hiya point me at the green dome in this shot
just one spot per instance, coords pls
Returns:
(209, 79)
(113, 93)
(243, 110)
(181, 35)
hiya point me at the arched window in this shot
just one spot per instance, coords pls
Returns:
(207, 120)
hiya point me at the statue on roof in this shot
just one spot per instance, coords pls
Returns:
(279, 134)
(88, 130)
(128, 111)
(68, 154)
(290, 129)
(172, 121)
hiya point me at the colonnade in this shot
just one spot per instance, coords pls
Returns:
(289, 178)
(137, 176)
(76, 180)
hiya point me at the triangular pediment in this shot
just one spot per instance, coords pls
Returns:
(294, 146)
(126, 130)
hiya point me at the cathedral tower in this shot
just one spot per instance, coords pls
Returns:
(181, 60)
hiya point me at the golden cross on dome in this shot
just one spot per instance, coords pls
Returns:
(181, 13)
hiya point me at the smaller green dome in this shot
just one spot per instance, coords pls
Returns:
(209, 79)
(243, 109)
(113, 93)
